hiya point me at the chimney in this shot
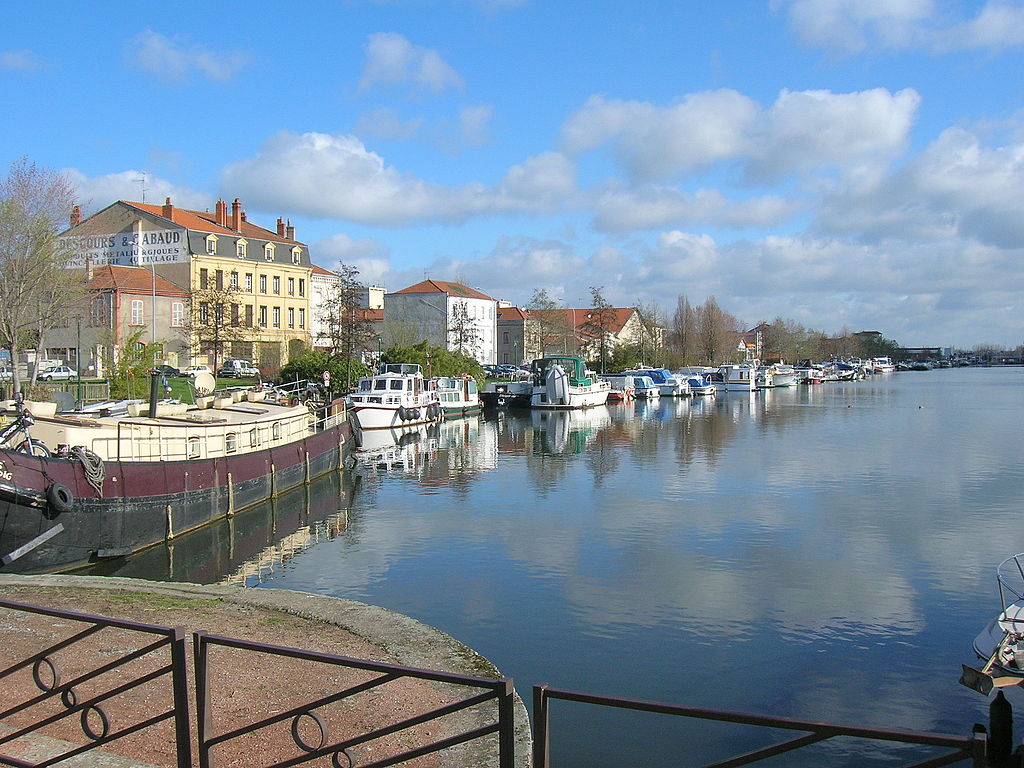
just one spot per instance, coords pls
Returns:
(221, 213)
(280, 227)
(76, 215)
(236, 215)
(168, 211)
(289, 231)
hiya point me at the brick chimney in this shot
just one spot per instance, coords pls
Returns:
(280, 227)
(168, 211)
(221, 213)
(236, 215)
(76, 215)
(289, 231)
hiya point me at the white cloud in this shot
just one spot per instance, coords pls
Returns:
(386, 123)
(97, 192)
(174, 61)
(625, 209)
(365, 254)
(392, 60)
(20, 61)
(474, 122)
(851, 26)
(543, 183)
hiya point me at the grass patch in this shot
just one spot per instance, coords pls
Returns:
(154, 600)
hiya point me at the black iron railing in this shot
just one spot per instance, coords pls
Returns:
(113, 694)
(387, 741)
(971, 747)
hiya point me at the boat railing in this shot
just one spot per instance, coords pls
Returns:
(1010, 577)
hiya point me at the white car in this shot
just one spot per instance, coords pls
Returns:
(58, 373)
(194, 370)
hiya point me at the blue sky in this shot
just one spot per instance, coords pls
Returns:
(845, 164)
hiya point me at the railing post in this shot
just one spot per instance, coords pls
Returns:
(979, 747)
(200, 652)
(179, 683)
(541, 748)
(506, 726)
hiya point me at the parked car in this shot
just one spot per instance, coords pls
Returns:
(238, 369)
(167, 370)
(194, 370)
(58, 373)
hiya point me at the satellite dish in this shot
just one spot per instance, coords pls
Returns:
(205, 384)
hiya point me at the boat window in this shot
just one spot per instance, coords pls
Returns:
(396, 384)
(194, 448)
(275, 431)
(230, 442)
(380, 384)
(472, 386)
(252, 438)
(364, 385)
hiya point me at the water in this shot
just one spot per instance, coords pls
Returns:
(823, 553)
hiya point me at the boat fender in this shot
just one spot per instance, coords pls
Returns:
(403, 413)
(60, 498)
(415, 413)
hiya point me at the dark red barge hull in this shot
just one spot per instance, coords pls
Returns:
(142, 503)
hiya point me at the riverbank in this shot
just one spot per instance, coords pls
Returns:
(276, 617)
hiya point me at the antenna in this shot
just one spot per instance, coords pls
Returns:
(143, 182)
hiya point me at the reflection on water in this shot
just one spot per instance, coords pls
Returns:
(822, 552)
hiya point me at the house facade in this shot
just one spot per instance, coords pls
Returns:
(445, 314)
(250, 281)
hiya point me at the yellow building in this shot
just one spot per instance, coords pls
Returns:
(249, 286)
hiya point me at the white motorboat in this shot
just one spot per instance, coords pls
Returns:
(396, 397)
(739, 377)
(1001, 642)
(700, 383)
(882, 365)
(457, 395)
(645, 388)
(669, 384)
(784, 375)
(622, 389)
(562, 381)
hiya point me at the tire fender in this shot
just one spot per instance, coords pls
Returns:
(403, 413)
(60, 498)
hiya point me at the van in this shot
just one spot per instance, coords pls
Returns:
(236, 368)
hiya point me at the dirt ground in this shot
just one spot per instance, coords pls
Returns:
(245, 686)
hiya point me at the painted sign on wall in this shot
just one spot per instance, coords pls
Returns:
(129, 249)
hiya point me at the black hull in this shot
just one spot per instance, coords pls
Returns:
(494, 400)
(143, 503)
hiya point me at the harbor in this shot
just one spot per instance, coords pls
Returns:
(819, 551)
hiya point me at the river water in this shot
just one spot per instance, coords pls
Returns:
(820, 552)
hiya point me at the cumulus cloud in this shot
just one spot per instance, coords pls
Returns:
(20, 61)
(802, 131)
(365, 254)
(174, 60)
(97, 192)
(392, 60)
(336, 176)
(851, 26)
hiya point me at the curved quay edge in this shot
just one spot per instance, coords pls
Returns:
(409, 642)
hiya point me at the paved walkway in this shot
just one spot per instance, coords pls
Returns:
(245, 691)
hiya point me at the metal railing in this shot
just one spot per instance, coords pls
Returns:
(396, 737)
(121, 677)
(973, 747)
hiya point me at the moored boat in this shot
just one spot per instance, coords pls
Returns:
(562, 381)
(622, 390)
(741, 377)
(645, 388)
(1001, 642)
(103, 486)
(700, 383)
(669, 384)
(398, 396)
(457, 395)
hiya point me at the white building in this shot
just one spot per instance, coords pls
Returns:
(433, 309)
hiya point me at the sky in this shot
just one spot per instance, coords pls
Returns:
(842, 164)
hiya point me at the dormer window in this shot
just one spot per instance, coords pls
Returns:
(296, 255)
(268, 251)
(240, 248)
(211, 245)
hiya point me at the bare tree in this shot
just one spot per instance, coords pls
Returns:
(347, 328)
(547, 329)
(217, 320)
(463, 335)
(36, 288)
(602, 319)
(716, 332)
(684, 330)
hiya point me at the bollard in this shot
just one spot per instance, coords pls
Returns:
(1000, 726)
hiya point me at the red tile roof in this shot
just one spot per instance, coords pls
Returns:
(131, 280)
(317, 270)
(206, 221)
(446, 287)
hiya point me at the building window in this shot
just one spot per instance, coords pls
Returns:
(296, 255)
(240, 247)
(204, 279)
(234, 315)
(263, 283)
(291, 286)
(137, 316)
(291, 317)
(248, 282)
(177, 314)
(302, 318)
(277, 285)
(220, 279)
(218, 314)
(277, 317)
(211, 245)
(248, 315)
(233, 282)
(302, 287)
(268, 251)
(504, 337)
(263, 317)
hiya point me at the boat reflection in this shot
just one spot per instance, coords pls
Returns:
(567, 432)
(245, 547)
